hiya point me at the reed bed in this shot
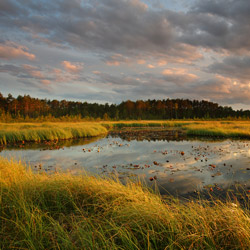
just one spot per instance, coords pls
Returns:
(18, 132)
(226, 129)
(146, 124)
(220, 129)
(61, 211)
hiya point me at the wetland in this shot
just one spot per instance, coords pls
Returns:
(168, 159)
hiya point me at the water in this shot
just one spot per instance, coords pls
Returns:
(178, 165)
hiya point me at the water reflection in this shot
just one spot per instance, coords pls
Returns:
(177, 165)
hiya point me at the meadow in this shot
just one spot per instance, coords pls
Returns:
(22, 132)
(61, 211)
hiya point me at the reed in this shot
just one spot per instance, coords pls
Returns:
(220, 129)
(18, 132)
(61, 211)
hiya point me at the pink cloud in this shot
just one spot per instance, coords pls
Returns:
(179, 75)
(113, 63)
(117, 59)
(141, 61)
(46, 82)
(139, 4)
(33, 71)
(162, 62)
(11, 50)
(72, 67)
(150, 66)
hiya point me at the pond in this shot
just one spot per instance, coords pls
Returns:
(175, 164)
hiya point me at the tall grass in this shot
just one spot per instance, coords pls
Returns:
(60, 211)
(220, 129)
(198, 128)
(18, 132)
(145, 124)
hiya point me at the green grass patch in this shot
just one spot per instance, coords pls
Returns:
(61, 211)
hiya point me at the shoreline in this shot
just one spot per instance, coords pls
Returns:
(37, 132)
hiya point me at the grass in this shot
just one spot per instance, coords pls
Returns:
(145, 124)
(238, 129)
(226, 129)
(18, 132)
(61, 211)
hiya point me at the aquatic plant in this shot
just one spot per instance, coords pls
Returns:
(61, 211)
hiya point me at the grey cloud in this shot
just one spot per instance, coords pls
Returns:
(21, 71)
(234, 67)
(127, 26)
(102, 29)
(107, 26)
(152, 86)
(115, 80)
(220, 90)
(9, 8)
(217, 24)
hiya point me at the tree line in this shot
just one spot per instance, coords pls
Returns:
(26, 107)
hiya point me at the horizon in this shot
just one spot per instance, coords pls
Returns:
(111, 51)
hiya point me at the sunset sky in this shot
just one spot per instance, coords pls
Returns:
(115, 50)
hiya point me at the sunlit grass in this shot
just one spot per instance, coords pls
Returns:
(221, 129)
(198, 128)
(61, 211)
(17, 132)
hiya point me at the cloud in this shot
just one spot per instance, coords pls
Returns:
(72, 67)
(150, 66)
(209, 38)
(161, 62)
(26, 71)
(46, 82)
(126, 27)
(10, 50)
(179, 75)
(121, 81)
(131, 26)
(141, 61)
(237, 68)
(219, 25)
(116, 60)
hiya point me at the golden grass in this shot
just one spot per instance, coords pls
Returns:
(219, 128)
(60, 211)
(18, 132)
(240, 129)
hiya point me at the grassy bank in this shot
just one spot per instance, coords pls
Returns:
(18, 132)
(230, 129)
(227, 129)
(61, 211)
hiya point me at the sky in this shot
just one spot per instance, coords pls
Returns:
(114, 50)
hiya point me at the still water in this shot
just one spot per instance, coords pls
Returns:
(177, 165)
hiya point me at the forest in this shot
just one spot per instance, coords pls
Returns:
(26, 107)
